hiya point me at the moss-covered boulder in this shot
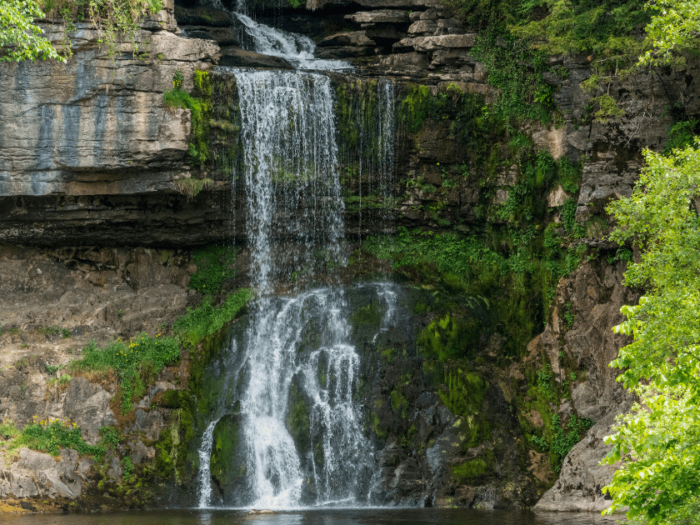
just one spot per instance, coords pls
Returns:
(228, 467)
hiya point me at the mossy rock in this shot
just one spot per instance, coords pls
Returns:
(227, 466)
(299, 418)
(174, 399)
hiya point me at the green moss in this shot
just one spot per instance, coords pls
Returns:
(467, 471)
(225, 466)
(369, 314)
(174, 399)
(299, 420)
(378, 428)
(463, 395)
(399, 403)
(204, 390)
(200, 108)
(448, 337)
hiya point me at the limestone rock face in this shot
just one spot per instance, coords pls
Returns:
(582, 477)
(38, 474)
(88, 405)
(97, 124)
(596, 294)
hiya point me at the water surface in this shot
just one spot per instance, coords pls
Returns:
(317, 517)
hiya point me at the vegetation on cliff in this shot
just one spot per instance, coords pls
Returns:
(116, 22)
(657, 441)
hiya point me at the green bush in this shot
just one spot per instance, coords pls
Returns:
(206, 319)
(51, 436)
(134, 363)
(212, 268)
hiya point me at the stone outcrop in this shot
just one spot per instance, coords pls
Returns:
(593, 294)
(98, 125)
(40, 475)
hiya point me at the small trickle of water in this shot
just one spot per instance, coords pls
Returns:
(204, 466)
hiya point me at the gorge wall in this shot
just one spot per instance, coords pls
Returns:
(490, 385)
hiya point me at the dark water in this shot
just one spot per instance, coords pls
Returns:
(316, 517)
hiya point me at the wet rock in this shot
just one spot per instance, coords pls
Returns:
(237, 57)
(356, 38)
(382, 16)
(223, 36)
(582, 477)
(201, 16)
(104, 115)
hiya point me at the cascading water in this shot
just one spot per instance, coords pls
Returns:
(300, 429)
(296, 49)
(294, 226)
(295, 212)
(204, 466)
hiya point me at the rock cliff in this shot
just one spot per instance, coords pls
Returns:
(99, 225)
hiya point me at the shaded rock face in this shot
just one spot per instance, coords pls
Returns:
(594, 294)
(98, 125)
(437, 445)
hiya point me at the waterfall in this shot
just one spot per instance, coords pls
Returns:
(294, 211)
(300, 427)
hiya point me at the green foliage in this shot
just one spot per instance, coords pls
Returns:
(206, 319)
(116, 23)
(449, 337)
(109, 437)
(514, 270)
(200, 108)
(681, 135)
(134, 363)
(20, 37)
(8, 430)
(565, 438)
(672, 30)
(562, 439)
(590, 27)
(518, 72)
(51, 436)
(127, 467)
(212, 268)
(570, 175)
(657, 441)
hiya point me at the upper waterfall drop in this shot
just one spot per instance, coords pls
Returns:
(297, 50)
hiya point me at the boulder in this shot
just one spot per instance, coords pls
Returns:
(432, 43)
(382, 16)
(355, 38)
(224, 36)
